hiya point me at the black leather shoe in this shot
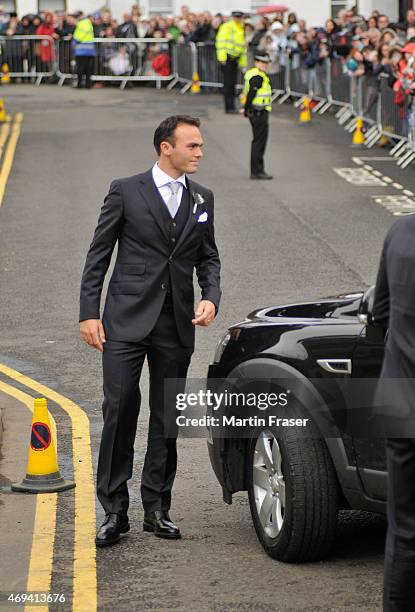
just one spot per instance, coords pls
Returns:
(111, 529)
(262, 176)
(160, 523)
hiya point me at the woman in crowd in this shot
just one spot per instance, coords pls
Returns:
(46, 47)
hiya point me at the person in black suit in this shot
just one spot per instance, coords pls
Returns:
(394, 309)
(163, 224)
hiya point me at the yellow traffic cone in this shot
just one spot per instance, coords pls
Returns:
(3, 116)
(42, 475)
(305, 115)
(195, 88)
(358, 136)
(5, 76)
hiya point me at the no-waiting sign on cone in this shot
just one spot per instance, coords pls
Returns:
(42, 475)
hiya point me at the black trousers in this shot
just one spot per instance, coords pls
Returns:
(230, 77)
(399, 588)
(122, 365)
(259, 123)
(84, 67)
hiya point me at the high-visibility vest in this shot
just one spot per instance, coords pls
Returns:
(84, 31)
(262, 98)
(230, 40)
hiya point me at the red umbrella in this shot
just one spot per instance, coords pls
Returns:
(273, 8)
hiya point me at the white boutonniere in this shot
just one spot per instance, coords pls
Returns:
(197, 199)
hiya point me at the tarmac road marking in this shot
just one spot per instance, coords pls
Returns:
(84, 565)
(9, 154)
(360, 177)
(39, 576)
(397, 204)
(4, 133)
(361, 160)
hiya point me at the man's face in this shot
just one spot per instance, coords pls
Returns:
(262, 66)
(186, 153)
(383, 22)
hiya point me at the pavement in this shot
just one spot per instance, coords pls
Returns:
(308, 233)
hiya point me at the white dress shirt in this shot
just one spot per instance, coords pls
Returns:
(162, 180)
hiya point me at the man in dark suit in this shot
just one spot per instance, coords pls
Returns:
(394, 309)
(163, 223)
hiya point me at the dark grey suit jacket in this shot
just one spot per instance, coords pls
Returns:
(394, 308)
(132, 216)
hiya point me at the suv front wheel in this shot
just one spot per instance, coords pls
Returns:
(293, 495)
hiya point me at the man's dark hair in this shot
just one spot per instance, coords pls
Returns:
(165, 131)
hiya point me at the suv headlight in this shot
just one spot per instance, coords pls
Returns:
(220, 347)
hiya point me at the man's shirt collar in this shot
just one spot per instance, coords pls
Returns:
(161, 178)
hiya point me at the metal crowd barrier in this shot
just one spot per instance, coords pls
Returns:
(120, 59)
(209, 69)
(184, 62)
(29, 57)
(385, 114)
(330, 84)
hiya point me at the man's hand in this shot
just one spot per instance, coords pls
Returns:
(205, 313)
(92, 332)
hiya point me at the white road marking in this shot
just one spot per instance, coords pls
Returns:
(358, 177)
(369, 158)
(398, 205)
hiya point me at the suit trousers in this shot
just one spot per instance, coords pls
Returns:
(230, 77)
(399, 583)
(122, 365)
(259, 123)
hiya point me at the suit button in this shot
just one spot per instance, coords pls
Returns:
(170, 258)
(174, 224)
(173, 239)
(163, 286)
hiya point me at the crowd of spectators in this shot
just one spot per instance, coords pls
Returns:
(364, 46)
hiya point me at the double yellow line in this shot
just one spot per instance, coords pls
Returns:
(84, 561)
(12, 128)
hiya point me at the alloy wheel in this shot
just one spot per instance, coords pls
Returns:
(268, 482)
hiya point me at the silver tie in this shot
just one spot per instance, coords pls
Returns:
(172, 203)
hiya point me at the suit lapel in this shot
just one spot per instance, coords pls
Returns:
(191, 219)
(147, 190)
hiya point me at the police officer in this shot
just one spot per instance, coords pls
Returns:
(257, 107)
(231, 54)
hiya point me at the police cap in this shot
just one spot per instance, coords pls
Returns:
(262, 56)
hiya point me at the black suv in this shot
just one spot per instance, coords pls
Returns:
(296, 485)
